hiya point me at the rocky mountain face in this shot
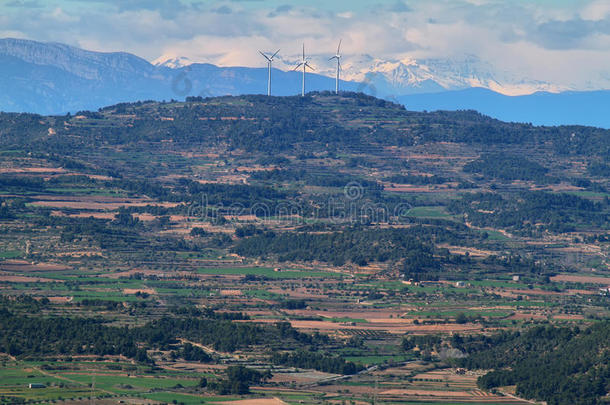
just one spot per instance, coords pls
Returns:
(84, 64)
(50, 78)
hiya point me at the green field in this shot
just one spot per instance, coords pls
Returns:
(372, 360)
(497, 236)
(428, 212)
(347, 320)
(268, 272)
(168, 397)
(121, 384)
(11, 254)
(263, 294)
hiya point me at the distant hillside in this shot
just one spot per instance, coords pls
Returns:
(580, 108)
(315, 123)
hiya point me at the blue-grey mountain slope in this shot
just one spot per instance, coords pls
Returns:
(574, 108)
(56, 78)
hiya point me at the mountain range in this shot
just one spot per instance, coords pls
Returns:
(393, 77)
(53, 78)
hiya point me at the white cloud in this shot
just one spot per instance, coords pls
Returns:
(596, 10)
(60, 16)
(565, 44)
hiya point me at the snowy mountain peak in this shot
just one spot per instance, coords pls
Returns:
(408, 75)
(172, 62)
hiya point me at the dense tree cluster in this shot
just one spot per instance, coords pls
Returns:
(414, 179)
(24, 336)
(316, 361)
(556, 212)
(321, 179)
(507, 167)
(225, 336)
(559, 365)
(358, 246)
(21, 183)
(28, 336)
(238, 380)
(232, 195)
(599, 169)
(422, 342)
(192, 353)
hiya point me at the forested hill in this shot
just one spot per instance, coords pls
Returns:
(318, 122)
(557, 365)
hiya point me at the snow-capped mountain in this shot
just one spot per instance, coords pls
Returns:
(393, 78)
(50, 78)
(173, 62)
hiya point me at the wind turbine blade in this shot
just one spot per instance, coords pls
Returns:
(339, 47)
(275, 54)
(309, 66)
(334, 57)
(297, 66)
(303, 50)
(264, 56)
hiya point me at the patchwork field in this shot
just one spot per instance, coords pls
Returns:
(222, 251)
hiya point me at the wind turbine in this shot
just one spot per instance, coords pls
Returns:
(338, 57)
(269, 61)
(305, 65)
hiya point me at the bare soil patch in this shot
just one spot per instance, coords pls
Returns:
(139, 290)
(24, 266)
(581, 279)
(567, 317)
(460, 250)
(35, 170)
(82, 205)
(389, 327)
(25, 279)
(405, 188)
(522, 316)
(259, 401)
(230, 293)
(415, 392)
(60, 300)
(95, 202)
(94, 214)
(370, 316)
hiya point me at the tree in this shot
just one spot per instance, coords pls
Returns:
(461, 318)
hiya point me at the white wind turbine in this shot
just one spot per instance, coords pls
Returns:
(305, 65)
(338, 57)
(269, 62)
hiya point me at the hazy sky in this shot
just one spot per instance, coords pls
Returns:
(565, 41)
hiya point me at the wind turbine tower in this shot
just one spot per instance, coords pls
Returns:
(305, 64)
(338, 57)
(269, 62)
